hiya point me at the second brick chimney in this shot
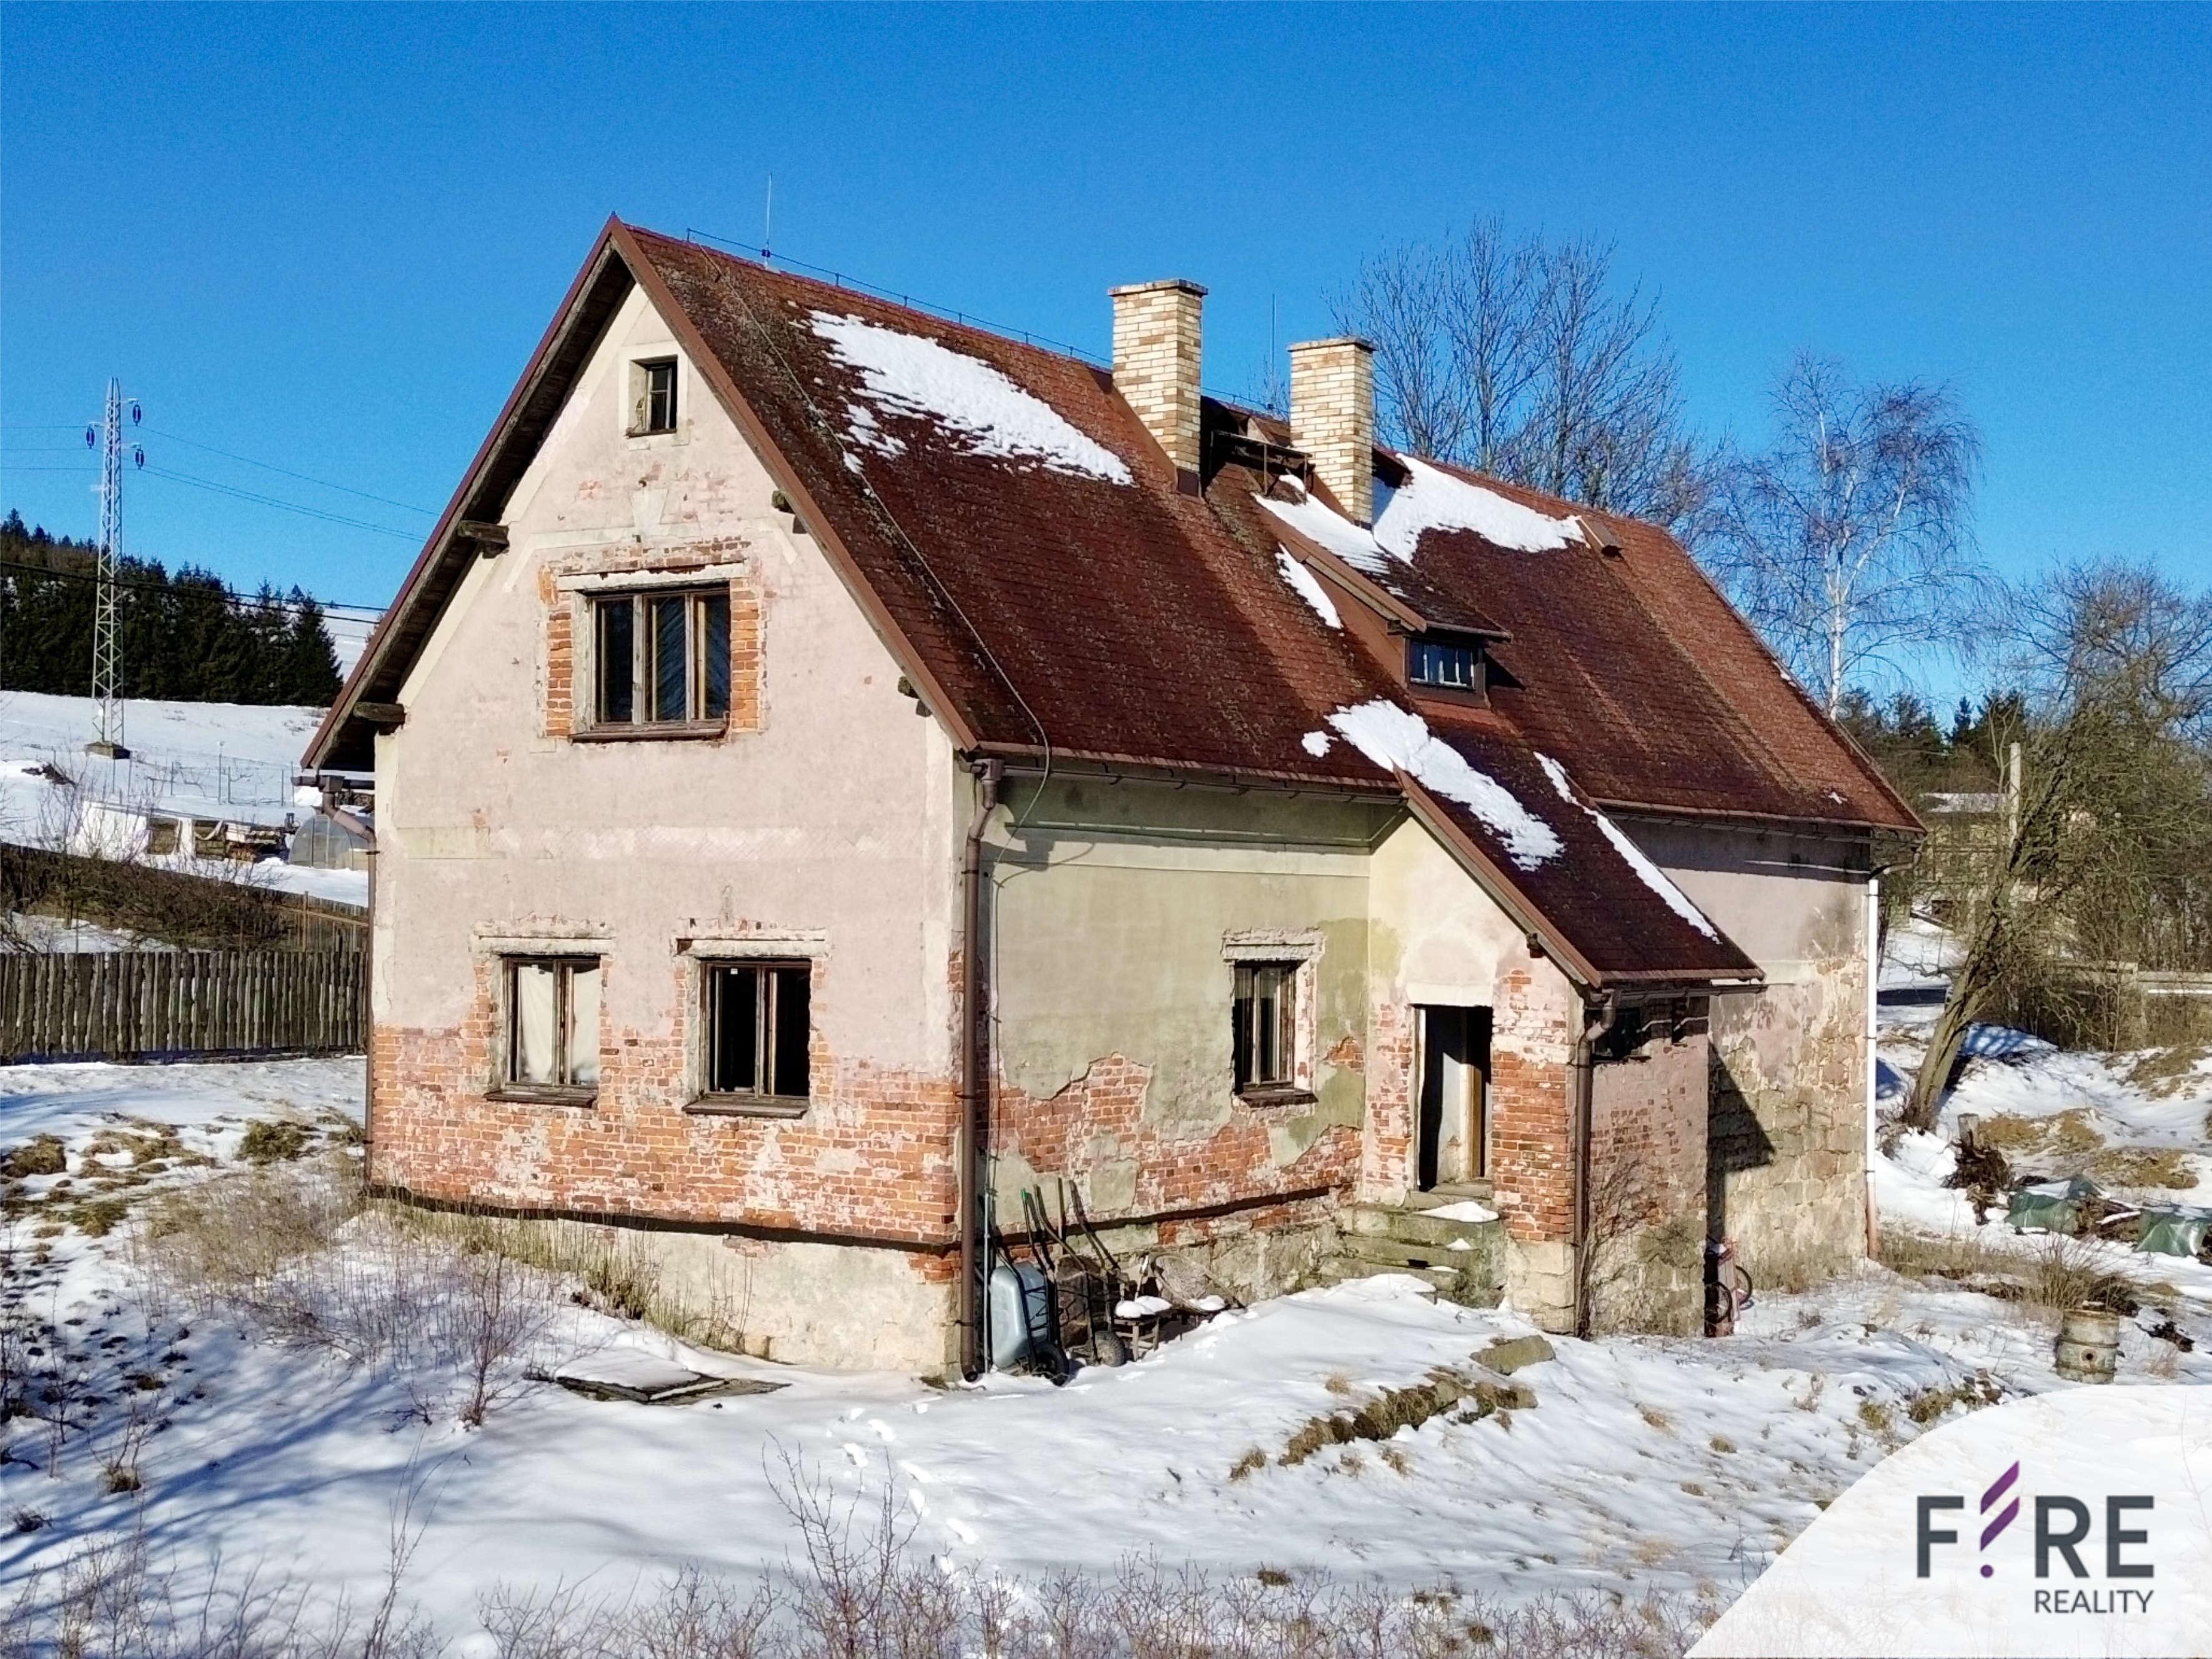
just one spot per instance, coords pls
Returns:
(1333, 418)
(1156, 362)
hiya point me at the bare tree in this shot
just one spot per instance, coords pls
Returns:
(2105, 845)
(1849, 541)
(1523, 360)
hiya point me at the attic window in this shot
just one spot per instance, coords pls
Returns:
(1444, 666)
(653, 396)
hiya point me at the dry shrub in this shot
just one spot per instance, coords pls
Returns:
(2073, 1272)
(617, 1268)
(2059, 1274)
(855, 1590)
(287, 1249)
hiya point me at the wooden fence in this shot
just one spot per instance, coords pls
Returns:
(159, 1005)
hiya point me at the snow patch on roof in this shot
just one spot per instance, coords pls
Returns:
(913, 376)
(1332, 530)
(1398, 740)
(1650, 873)
(1432, 499)
(1308, 587)
(1429, 499)
(1314, 744)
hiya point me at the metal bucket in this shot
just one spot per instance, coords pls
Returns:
(2088, 1346)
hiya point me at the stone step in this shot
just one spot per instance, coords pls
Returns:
(1422, 1227)
(1392, 1253)
(1437, 1197)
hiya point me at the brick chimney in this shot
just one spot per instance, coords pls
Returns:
(1333, 417)
(1156, 362)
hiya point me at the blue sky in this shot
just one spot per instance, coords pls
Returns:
(327, 238)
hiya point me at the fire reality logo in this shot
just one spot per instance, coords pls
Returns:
(2030, 1528)
(2062, 1526)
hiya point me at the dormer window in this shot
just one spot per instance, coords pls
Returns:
(653, 396)
(1445, 666)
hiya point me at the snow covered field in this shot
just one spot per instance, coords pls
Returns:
(1642, 1466)
(198, 760)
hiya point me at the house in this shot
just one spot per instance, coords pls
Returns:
(840, 769)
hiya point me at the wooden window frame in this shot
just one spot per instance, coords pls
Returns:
(1246, 1005)
(759, 1101)
(1475, 689)
(506, 1085)
(647, 419)
(700, 719)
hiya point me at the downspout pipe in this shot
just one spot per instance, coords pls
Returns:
(365, 829)
(1597, 1015)
(1873, 1056)
(974, 1114)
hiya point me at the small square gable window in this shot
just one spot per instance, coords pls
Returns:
(653, 396)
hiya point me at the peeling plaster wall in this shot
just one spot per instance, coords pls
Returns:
(1437, 938)
(1786, 1170)
(1116, 912)
(826, 822)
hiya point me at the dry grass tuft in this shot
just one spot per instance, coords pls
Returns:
(2142, 1166)
(2163, 1073)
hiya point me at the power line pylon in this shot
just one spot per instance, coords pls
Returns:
(106, 673)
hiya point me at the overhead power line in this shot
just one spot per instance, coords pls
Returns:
(271, 500)
(304, 477)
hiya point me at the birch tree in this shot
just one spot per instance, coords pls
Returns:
(1849, 541)
(1527, 359)
(2104, 849)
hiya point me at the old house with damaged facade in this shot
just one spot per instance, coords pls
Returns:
(839, 768)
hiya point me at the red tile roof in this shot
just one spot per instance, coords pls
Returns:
(1044, 608)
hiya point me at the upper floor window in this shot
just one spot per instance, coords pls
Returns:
(552, 1024)
(1264, 1032)
(757, 1027)
(1448, 667)
(653, 396)
(661, 658)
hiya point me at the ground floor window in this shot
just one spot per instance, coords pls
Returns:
(1264, 1024)
(553, 1023)
(757, 1028)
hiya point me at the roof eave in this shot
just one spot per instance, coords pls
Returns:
(376, 656)
(1507, 894)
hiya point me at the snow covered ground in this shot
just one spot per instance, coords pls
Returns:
(199, 760)
(1673, 1466)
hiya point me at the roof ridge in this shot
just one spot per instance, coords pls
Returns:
(795, 271)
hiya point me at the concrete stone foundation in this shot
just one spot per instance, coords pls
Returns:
(1787, 1166)
(797, 1302)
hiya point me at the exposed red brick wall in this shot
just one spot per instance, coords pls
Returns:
(1099, 1120)
(1385, 1161)
(1531, 1150)
(871, 1158)
(562, 609)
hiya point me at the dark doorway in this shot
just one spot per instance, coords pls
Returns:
(1452, 1124)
